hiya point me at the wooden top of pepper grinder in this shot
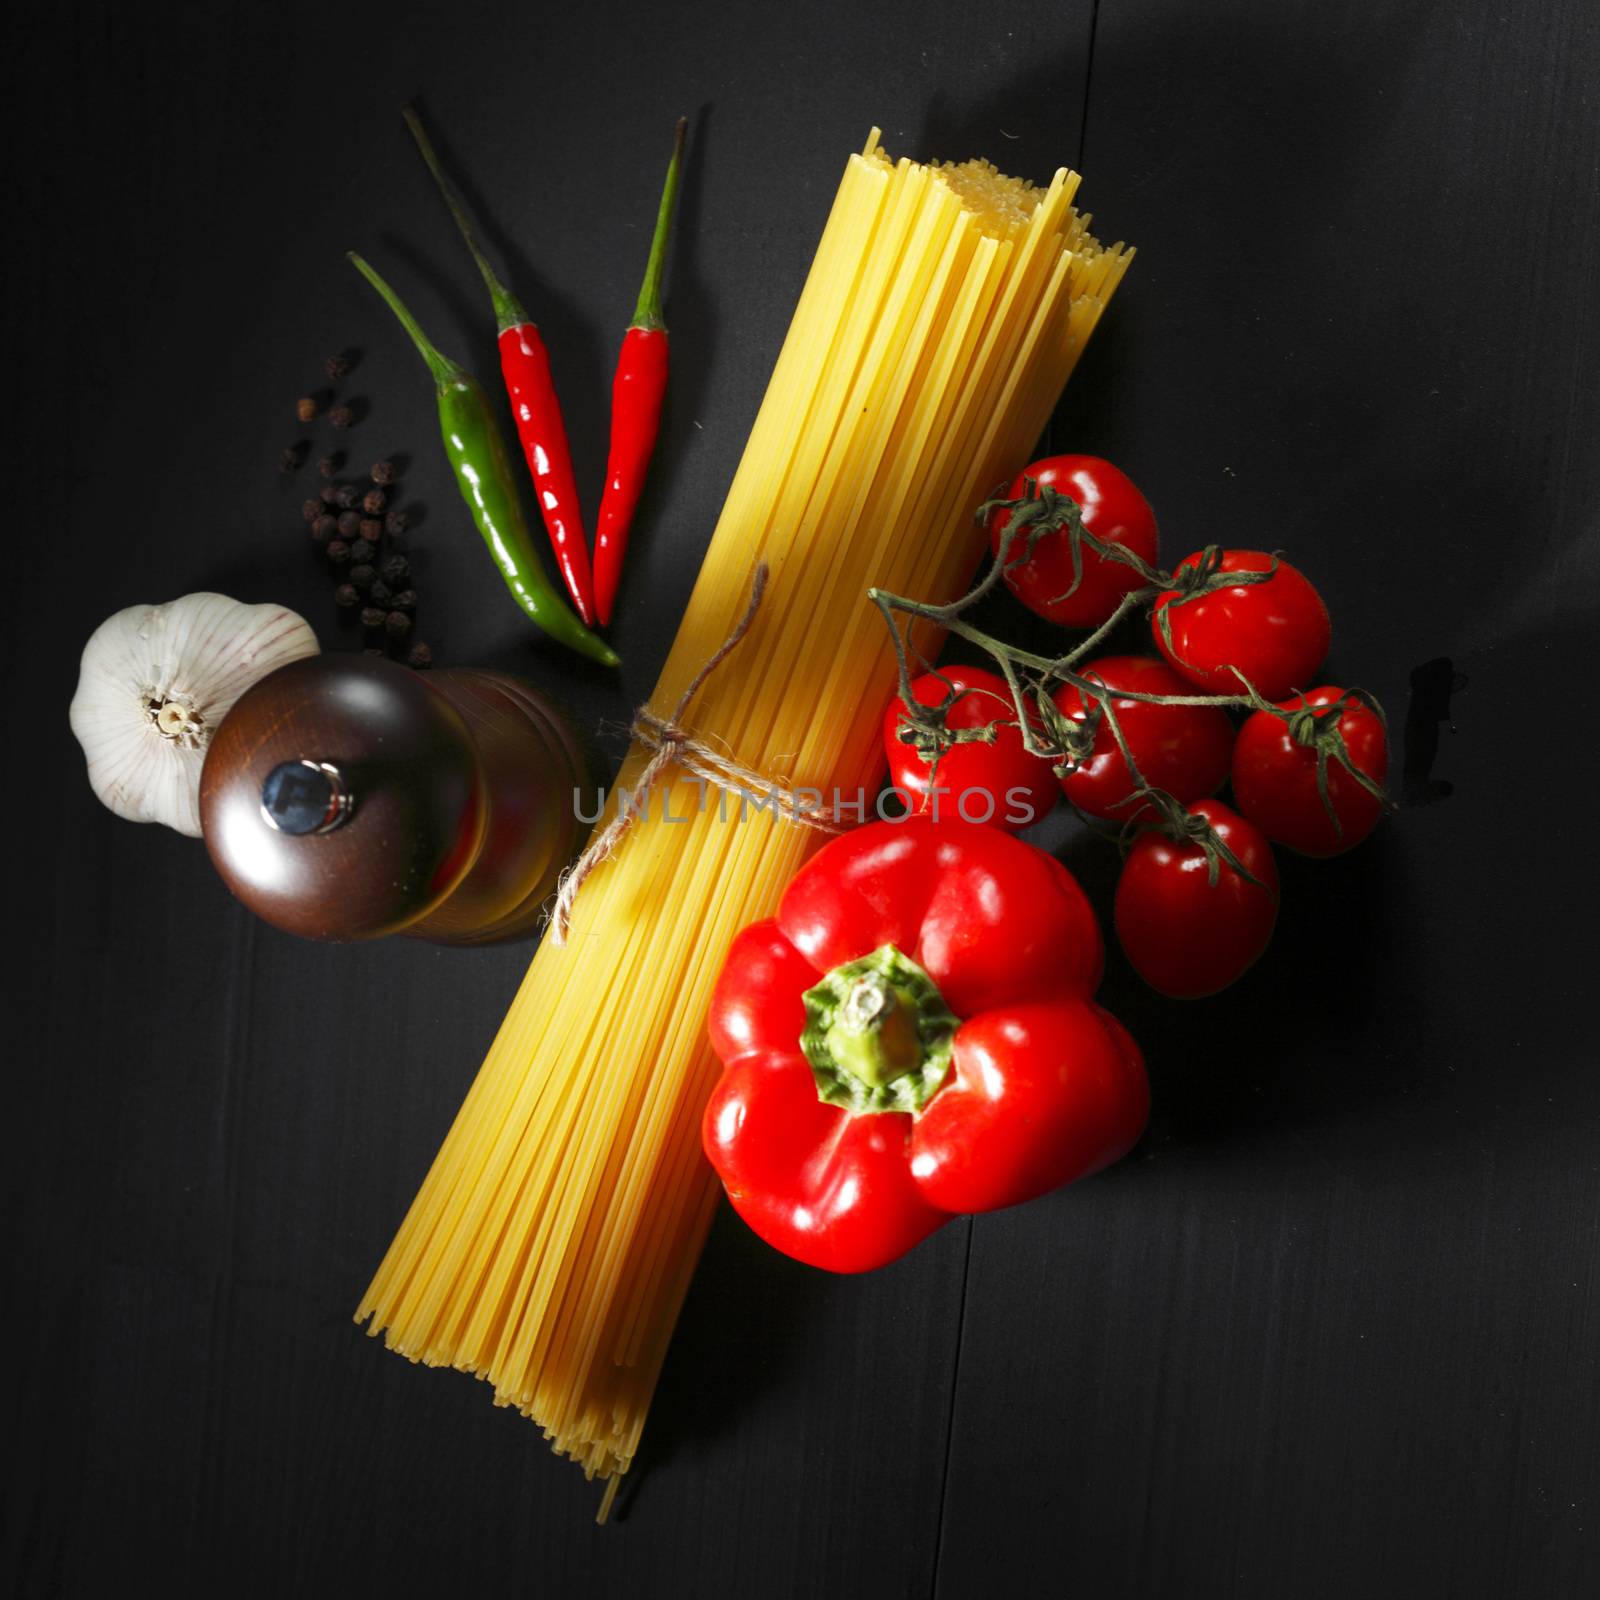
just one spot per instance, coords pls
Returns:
(374, 809)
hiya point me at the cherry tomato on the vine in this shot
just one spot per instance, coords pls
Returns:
(1184, 935)
(1113, 511)
(1275, 632)
(1182, 749)
(1000, 783)
(1275, 776)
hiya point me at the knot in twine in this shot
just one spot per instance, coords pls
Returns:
(668, 741)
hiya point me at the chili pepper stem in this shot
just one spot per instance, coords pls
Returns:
(444, 370)
(507, 308)
(647, 314)
(525, 367)
(637, 392)
(483, 475)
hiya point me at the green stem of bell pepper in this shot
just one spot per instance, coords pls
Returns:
(878, 1034)
(477, 453)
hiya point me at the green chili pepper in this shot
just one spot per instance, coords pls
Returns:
(477, 452)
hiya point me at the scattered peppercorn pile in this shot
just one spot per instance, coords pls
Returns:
(358, 527)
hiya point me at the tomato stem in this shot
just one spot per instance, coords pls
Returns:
(1317, 728)
(1067, 742)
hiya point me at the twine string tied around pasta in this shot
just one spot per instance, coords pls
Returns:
(669, 741)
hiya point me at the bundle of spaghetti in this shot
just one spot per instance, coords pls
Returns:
(552, 1242)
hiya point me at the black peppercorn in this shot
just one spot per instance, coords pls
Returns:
(380, 593)
(406, 600)
(371, 617)
(371, 529)
(349, 496)
(395, 522)
(396, 570)
(311, 509)
(397, 624)
(362, 575)
(373, 502)
(338, 552)
(341, 416)
(362, 550)
(337, 367)
(383, 472)
(323, 529)
(329, 494)
(350, 524)
(305, 409)
(329, 465)
(420, 657)
(347, 595)
(289, 460)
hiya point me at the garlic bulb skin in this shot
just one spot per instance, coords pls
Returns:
(154, 683)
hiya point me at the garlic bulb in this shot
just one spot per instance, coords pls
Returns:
(155, 682)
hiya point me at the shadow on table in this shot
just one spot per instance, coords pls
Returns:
(744, 1316)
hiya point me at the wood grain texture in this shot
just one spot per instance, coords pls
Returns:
(1335, 1332)
(1332, 1330)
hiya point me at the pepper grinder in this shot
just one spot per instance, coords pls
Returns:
(347, 797)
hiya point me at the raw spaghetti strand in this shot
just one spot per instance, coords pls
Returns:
(551, 1244)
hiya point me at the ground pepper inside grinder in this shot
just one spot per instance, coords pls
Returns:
(344, 797)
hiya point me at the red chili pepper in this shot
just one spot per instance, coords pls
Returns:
(525, 367)
(912, 1037)
(636, 394)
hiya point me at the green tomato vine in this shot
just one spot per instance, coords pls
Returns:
(1066, 742)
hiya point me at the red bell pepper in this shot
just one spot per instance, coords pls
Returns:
(912, 1037)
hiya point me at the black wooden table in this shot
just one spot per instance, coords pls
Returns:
(1332, 1330)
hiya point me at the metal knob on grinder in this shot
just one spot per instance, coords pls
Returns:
(345, 797)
